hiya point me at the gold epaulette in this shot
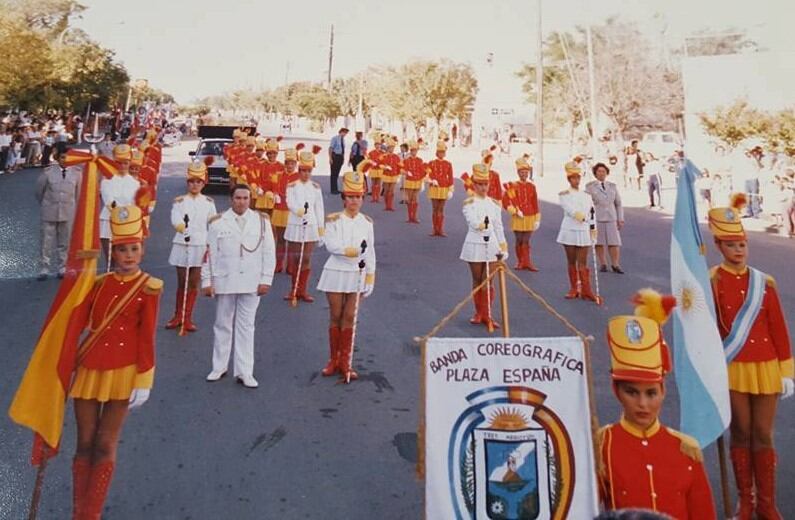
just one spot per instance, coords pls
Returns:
(713, 272)
(214, 218)
(316, 185)
(469, 200)
(209, 199)
(689, 445)
(331, 217)
(367, 217)
(100, 279)
(153, 285)
(771, 282)
(564, 192)
(179, 199)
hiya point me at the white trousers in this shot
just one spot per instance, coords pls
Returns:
(234, 325)
(54, 238)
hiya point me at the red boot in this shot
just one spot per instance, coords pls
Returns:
(291, 270)
(332, 367)
(435, 220)
(528, 261)
(765, 478)
(477, 318)
(415, 206)
(410, 211)
(389, 199)
(488, 318)
(519, 257)
(279, 259)
(441, 225)
(189, 325)
(585, 286)
(303, 279)
(81, 471)
(97, 491)
(176, 320)
(574, 291)
(743, 475)
(345, 352)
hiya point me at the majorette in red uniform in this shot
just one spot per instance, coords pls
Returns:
(390, 165)
(230, 154)
(269, 170)
(414, 173)
(441, 186)
(757, 345)
(641, 463)
(115, 362)
(279, 182)
(521, 201)
(375, 172)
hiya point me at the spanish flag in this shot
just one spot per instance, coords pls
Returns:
(40, 400)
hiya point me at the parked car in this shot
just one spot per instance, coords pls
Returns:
(212, 140)
(661, 144)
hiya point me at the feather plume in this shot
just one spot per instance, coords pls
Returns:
(299, 147)
(209, 160)
(316, 148)
(651, 304)
(738, 201)
(279, 138)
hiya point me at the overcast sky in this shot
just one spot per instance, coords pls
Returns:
(197, 48)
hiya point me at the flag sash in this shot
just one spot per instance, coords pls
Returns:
(746, 316)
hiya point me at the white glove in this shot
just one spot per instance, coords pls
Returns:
(260, 192)
(536, 225)
(449, 194)
(368, 290)
(434, 182)
(277, 199)
(787, 387)
(138, 397)
(519, 213)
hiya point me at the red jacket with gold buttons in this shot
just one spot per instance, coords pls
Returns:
(659, 469)
(441, 171)
(129, 339)
(769, 337)
(390, 164)
(414, 168)
(522, 196)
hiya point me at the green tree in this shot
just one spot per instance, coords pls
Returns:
(709, 43)
(735, 123)
(779, 132)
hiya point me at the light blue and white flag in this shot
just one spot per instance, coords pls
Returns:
(699, 360)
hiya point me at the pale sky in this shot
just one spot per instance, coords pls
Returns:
(197, 48)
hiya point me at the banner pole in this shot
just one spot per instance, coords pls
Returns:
(724, 478)
(504, 301)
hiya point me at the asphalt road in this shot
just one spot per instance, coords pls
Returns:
(302, 446)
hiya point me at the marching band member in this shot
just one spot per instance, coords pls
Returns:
(484, 241)
(119, 190)
(495, 186)
(115, 361)
(237, 270)
(305, 225)
(269, 169)
(190, 215)
(414, 174)
(247, 161)
(574, 234)
(440, 178)
(349, 239)
(757, 346)
(521, 201)
(641, 463)
(230, 154)
(390, 165)
(279, 182)
(376, 172)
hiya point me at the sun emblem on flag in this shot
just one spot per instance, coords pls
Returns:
(689, 297)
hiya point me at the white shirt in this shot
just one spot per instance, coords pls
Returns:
(476, 209)
(120, 189)
(199, 209)
(574, 201)
(239, 260)
(298, 194)
(342, 232)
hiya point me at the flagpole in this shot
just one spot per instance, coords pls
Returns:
(724, 478)
(36, 497)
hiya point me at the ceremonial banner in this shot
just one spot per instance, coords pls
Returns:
(507, 430)
(699, 363)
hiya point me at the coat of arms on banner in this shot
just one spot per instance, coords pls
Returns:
(506, 457)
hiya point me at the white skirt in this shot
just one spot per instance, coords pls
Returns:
(186, 256)
(574, 237)
(335, 281)
(474, 252)
(294, 233)
(104, 228)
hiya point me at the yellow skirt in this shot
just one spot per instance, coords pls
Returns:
(438, 192)
(526, 223)
(375, 174)
(263, 202)
(104, 385)
(412, 185)
(390, 179)
(755, 377)
(279, 217)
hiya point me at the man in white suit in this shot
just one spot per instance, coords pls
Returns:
(238, 269)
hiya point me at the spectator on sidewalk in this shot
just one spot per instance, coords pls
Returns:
(652, 169)
(14, 153)
(57, 190)
(5, 144)
(46, 152)
(358, 150)
(634, 159)
(609, 216)
(751, 181)
(336, 158)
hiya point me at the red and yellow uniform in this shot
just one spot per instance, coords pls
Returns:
(652, 467)
(390, 165)
(268, 173)
(414, 171)
(441, 171)
(658, 469)
(375, 173)
(521, 196)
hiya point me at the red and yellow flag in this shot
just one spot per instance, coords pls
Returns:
(40, 400)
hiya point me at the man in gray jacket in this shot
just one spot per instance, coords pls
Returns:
(57, 190)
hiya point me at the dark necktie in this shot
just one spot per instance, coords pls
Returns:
(603, 186)
(342, 145)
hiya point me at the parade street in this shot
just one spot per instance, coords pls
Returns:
(301, 445)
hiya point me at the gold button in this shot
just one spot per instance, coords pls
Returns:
(752, 341)
(121, 344)
(648, 467)
(644, 442)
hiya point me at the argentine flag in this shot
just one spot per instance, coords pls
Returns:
(699, 361)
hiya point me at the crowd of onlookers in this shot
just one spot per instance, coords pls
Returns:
(28, 140)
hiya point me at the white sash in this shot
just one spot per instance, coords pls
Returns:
(747, 314)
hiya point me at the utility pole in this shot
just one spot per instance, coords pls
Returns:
(287, 73)
(592, 86)
(539, 162)
(330, 55)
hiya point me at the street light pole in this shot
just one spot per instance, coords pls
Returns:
(591, 84)
(330, 55)
(539, 162)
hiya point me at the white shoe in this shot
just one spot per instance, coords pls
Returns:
(247, 381)
(215, 375)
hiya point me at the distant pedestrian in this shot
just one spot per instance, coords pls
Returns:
(358, 150)
(609, 214)
(336, 158)
(57, 191)
(654, 180)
